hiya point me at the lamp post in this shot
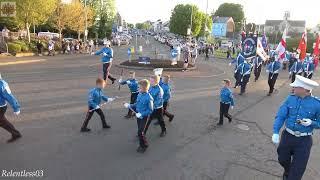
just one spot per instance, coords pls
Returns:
(86, 21)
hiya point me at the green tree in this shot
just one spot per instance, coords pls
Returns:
(144, 26)
(180, 19)
(205, 28)
(131, 26)
(105, 11)
(34, 12)
(232, 10)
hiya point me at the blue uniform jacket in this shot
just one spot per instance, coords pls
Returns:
(226, 96)
(133, 85)
(109, 54)
(157, 94)
(296, 67)
(244, 69)
(274, 67)
(257, 62)
(144, 104)
(94, 98)
(239, 60)
(6, 96)
(166, 92)
(308, 67)
(295, 108)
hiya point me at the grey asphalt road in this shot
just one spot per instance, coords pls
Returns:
(53, 95)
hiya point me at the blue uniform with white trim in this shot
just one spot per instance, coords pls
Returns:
(144, 104)
(274, 67)
(95, 96)
(166, 91)
(7, 96)
(107, 54)
(226, 96)
(296, 67)
(157, 94)
(132, 85)
(296, 140)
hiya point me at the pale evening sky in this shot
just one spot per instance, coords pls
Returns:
(257, 11)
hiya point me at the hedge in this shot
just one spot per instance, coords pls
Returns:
(14, 48)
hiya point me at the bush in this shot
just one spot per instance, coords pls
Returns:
(14, 48)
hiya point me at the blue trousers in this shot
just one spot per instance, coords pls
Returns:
(293, 154)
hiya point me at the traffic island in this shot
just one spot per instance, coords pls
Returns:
(155, 63)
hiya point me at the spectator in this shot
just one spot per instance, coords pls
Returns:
(39, 47)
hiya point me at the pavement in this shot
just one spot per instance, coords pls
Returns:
(53, 93)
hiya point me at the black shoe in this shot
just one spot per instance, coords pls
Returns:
(113, 80)
(156, 123)
(269, 94)
(127, 116)
(163, 133)
(14, 138)
(241, 94)
(141, 149)
(85, 130)
(106, 127)
(220, 124)
(171, 118)
(285, 176)
(230, 120)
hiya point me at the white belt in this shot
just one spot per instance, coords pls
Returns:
(297, 133)
(3, 105)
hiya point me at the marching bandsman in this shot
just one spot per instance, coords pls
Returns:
(94, 105)
(133, 86)
(143, 108)
(239, 60)
(157, 94)
(166, 96)
(244, 70)
(308, 67)
(300, 113)
(226, 101)
(7, 96)
(273, 69)
(296, 68)
(257, 65)
(107, 56)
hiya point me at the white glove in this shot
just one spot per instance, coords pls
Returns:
(306, 122)
(17, 113)
(290, 73)
(126, 105)
(111, 99)
(230, 64)
(97, 107)
(232, 107)
(120, 80)
(128, 82)
(105, 54)
(138, 115)
(275, 138)
(92, 53)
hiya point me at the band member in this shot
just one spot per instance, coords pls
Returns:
(226, 101)
(308, 68)
(296, 68)
(94, 105)
(244, 75)
(166, 96)
(273, 69)
(157, 94)
(133, 86)
(239, 60)
(106, 59)
(143, 107)
(300, 115)
(257, 65)
(7, 96)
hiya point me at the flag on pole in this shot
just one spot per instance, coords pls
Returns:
(260, 50)
(264, 41)
(316, 47)
(302, 48)
(281, 49)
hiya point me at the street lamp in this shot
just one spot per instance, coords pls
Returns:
(86, 21)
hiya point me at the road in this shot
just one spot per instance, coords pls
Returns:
(53, 93)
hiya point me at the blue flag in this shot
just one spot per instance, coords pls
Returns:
(264, 41)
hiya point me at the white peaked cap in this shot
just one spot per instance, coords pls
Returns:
(158, 71)
(304, 83)
(0, 76)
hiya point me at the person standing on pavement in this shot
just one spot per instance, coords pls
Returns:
(143, 108)
(94, 105)
(226, 101)
(257, 65)
(300, 113)
(7, 96)
(107, 55)
(273, 69)
(134, 89)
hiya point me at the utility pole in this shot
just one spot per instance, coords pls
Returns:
(86, 21)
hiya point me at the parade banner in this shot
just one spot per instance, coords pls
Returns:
(249, 46)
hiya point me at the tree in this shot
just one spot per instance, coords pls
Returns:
(34, 12)
(144, 26)
(232, 10)
(106, 11)
(77, 20)
(205, 28)
(180, 19)
(131, 26)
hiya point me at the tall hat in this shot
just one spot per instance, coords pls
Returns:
(304, 83)
(158, 71)
(0, 76)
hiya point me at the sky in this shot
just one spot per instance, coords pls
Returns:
(256, 11)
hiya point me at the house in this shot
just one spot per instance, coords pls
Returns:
(294, 26)
(223, 27)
